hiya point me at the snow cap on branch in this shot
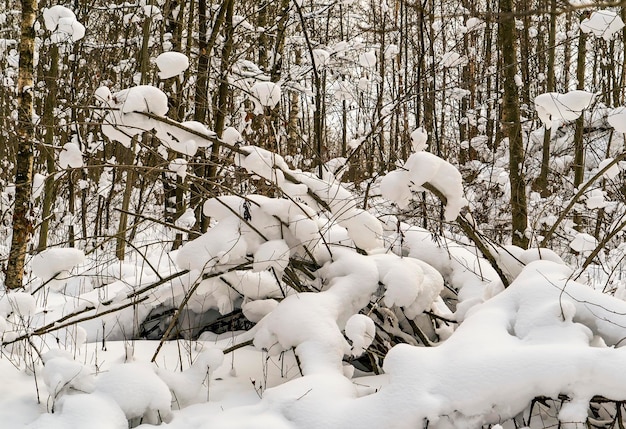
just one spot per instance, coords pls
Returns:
(553, 106)
(62, 22)
(171, 64)
(602, 23)
(425, 168)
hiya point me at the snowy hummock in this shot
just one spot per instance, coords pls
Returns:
(368, 59)
(553, 106)
(138, 391)
(612, 172)
(362, 227)
(171, 64)
(320, 57)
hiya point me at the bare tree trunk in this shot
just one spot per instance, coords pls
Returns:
(542, 181)
(221, 108)
(511, 124)
(22, 216)
(579, 146)
(48, 120)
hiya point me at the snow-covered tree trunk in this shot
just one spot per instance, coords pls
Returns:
(22, 216)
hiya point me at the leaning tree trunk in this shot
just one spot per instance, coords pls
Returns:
(511, 124)
(22, 216)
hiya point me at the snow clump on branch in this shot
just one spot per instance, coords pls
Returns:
(425, 168)
(62, 22)
(602, 23)
(553, 106)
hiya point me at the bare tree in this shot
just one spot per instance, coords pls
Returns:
(22, 215)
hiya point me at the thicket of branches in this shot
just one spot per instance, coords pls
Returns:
(358, 83)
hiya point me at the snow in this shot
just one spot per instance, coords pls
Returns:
(38, 185)
(360, 330)
(186, 386)
(617, 119)
(421, 168)
(179, 166)
(62, 22)
(123, 121)
(56, 263)
(453, 59)
(553, 106)
(602, 23)
(171, 64)
(612, 172)
(266, 94)
(62, 374)
(368, 59)
(18, 304)
(583, 243)
(419, 137)
(391, 51)
(335, 280)
(474, 24)
(182, 141)
(138, 391)
(320, 57)
(231, 136)
(83, 410)
(595, 200)
(70, 156)
(273, 254)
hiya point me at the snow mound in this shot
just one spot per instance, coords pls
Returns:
(62, 374)
(368, 59)
(272, 254)
(62, 22)
(266, 94)
(421, 168)
(83, 411)
(186, 385)
(553, 106)
(138, 391)
(70, 156)
(171, 64)
(56, 262)
(453, 59)
(583, 243)
(20, 304)
(123, 121)
(602, 23)
(419, 137)
(360, 330)
(617, 119)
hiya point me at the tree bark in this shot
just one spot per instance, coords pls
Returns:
(22, 214)
(511, 127)
(542, 181)
(49, 191)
